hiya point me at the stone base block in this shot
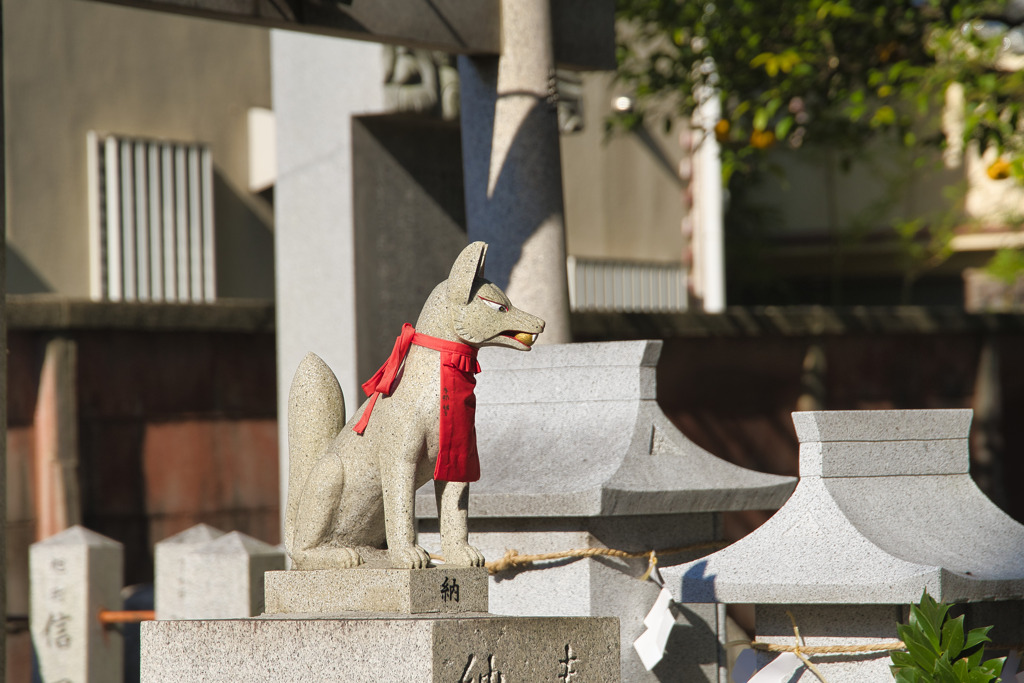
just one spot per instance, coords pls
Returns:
(381, 648)
(400, 591)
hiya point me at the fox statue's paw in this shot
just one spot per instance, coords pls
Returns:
(409, 557)
(326, 557)
(346, 558)
(462, 555)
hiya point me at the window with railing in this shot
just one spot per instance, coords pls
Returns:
(150, 220)
(597, 285)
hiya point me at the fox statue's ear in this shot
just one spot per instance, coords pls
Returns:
(468, 267)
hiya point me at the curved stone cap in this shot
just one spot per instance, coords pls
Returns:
(573, 430)
(873, 521)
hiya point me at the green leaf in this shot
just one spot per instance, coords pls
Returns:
(953, 637)
(900, 658)
(993, 666)
(783, 127)
(921, 627)
(978, 676)
(976, 636)
(884, 116)
(918, 647)
(943, 672)
(760, 119)
(908, 676)
(930, 615)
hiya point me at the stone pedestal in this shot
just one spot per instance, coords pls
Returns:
(328, 625)
(400, 591)
(603, 586)
(381, 648)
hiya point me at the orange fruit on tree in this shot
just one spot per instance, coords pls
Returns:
(762, 139)
(722, 130)
(998, 169)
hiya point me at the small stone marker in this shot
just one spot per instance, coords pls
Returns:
(75, 574)
(223, 578)
(170, 564)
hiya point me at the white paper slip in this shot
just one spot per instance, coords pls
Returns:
(660, 611)
(649, 649)
(780, 670)
(744, 667)
(659, 622)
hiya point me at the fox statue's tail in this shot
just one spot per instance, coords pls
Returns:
(316, 415)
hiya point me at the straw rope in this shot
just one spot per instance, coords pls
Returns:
(804, 652)
(883, 646)
(513, 560)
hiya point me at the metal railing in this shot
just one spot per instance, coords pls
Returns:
(150, 220)
(626, 286)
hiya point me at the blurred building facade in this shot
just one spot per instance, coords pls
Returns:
(170, 400)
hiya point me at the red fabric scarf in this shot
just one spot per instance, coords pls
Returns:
(457, 459)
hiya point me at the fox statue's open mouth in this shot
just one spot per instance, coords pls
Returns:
(524, 338)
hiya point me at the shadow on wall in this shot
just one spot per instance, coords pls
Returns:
(23, 278)
(410, 222)
(505, 248)
(245, 242)
(681, 639)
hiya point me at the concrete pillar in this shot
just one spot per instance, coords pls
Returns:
(708, 272)
(169, 593)
(73, 576)
(319, 83)
(512, 165)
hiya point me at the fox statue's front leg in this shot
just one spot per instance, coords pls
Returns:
(453, 516)
(398, 482)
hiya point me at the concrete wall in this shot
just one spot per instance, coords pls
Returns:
(76, 66)
(623, 196)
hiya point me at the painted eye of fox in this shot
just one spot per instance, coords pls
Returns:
(501, 308)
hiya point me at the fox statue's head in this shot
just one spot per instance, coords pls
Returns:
(478, 312)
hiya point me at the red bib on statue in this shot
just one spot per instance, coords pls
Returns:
(457, 458)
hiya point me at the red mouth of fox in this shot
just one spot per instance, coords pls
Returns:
(525, 338)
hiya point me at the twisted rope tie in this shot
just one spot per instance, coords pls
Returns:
(883, 646)
(803, 652)
(512, 559)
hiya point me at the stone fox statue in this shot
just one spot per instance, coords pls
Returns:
(351, 486)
